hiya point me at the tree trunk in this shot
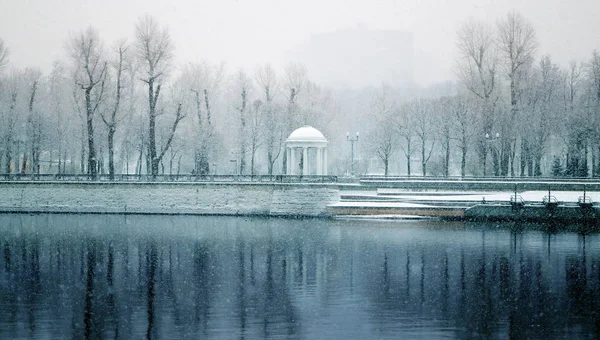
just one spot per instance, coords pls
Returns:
(284, 169)
(152, 99)
(34, 130)
(24, 163)
(90, 130)
(524, 155)
(385, 166)
(252, 160)
(408, 154)
(111, 152)
(483, 158)
(513, 152)
(270, 162)
(8, 156)
(447, 158)
(58, 172)
(138, 165)
(538, 166)
(9, 136)
(242, 133)
(112, 124)
(423, 161)
(207, 105)
(594, 163)
(598, 158)
(463, 161)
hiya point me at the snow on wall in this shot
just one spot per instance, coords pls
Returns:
(169, 198)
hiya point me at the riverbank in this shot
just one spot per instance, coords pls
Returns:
(532, 206)
(246, 199)
(297, 200)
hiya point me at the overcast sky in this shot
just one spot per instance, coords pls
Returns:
(244, 33)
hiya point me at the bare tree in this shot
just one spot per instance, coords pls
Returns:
(205, 83)
(274, 119)
(34, 124)
(593, 76)
(111, 120)
(267, 80)
(404, 124)
(517, 44)
(423, 114)
(87, 53)
(383, 138)
(477, 70)
(242, 86)
(154, 51)
(4, 54)
(255, 131)
(9, 120)
(295, 82)
(462, 126)
(58, 92)
(541, 108)
(573, 83)
(383, 141)
(316, 106)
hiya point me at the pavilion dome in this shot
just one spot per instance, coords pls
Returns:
(306, 134)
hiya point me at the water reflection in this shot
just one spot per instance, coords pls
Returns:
(83, 276)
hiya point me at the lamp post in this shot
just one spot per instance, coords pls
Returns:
(489, 141)
(352, 140)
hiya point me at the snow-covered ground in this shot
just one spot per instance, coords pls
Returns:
(528, 196)
(474, 196)
(380, 204)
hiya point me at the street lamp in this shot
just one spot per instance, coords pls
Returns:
(352, 140)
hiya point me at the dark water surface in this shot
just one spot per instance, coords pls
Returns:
(184, 277)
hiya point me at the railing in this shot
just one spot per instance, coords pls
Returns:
(549, 200)
(478, 179)
(516, 200)
(171, 178)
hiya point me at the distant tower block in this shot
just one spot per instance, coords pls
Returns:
(306, 150)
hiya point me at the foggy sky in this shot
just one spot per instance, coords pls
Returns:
(245, 33)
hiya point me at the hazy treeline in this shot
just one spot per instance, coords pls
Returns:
(514, 112)
(128, 107)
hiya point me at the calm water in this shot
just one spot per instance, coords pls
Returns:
(180, 277)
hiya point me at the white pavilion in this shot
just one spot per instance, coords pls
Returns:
(306, 152)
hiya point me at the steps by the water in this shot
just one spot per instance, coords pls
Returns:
(471, 205)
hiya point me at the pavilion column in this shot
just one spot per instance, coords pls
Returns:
(288, 160)
(292, 160)
(319, 161)
(324, 161)
(305, 160)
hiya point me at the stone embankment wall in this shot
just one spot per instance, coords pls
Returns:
(169, 198)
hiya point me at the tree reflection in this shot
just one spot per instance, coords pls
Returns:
(151, 294)
(202, 284)
(253, 279)
(88, 312)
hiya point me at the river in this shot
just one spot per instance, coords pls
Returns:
(188, 277)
